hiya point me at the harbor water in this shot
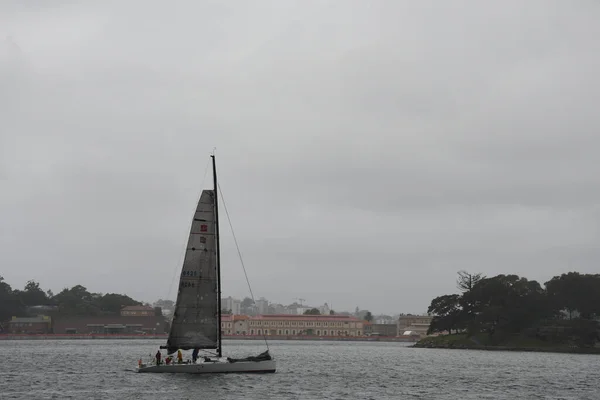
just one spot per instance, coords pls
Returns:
(104, 369)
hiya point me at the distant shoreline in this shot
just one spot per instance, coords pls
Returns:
(461, 342)
(568, 350)
(327, 338)
(227, 337)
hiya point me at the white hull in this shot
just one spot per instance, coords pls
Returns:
(218, 367)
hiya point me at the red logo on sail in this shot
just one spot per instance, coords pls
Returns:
(203, 228)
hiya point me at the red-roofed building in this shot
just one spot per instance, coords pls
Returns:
(286, 325)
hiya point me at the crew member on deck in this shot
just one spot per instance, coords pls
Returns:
(158, 357)
(195, 355)
(179, 357)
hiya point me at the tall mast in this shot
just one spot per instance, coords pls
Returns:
(218, 255)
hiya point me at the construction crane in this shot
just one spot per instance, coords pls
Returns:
(300, 300)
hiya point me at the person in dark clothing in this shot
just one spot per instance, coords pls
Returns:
(195, 354)
(158, 357)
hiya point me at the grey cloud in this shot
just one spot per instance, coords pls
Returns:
(367, 150)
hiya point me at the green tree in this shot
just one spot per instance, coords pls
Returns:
(466, 280)
(368, 316)
(465, 283)
(79, 301)
(247, 302)
(447, 313)
(112, 303)
(33, 295)
(331, 312)
(312, 311)
(9, 303)
(575, 293)
(76, 301)
(505, 303)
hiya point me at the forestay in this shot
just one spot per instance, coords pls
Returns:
(195, 322)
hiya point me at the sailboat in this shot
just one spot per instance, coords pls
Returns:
(197, 317)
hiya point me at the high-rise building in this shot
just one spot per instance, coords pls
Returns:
(229, 303)
(262, 306)
(324, 309)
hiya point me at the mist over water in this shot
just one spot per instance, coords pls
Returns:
(102, 369)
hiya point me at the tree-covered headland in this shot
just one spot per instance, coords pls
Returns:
(74, 301)
(512, 311)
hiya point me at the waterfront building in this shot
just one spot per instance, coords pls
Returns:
(292, 325)
(419, 324)
(115, 324)
(39, 324)
(385, 319)
(137, 311)
(380, 329)
(131, 320)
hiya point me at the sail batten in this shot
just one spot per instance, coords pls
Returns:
(195, 319)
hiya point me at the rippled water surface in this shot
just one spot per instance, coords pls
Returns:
(103, 369)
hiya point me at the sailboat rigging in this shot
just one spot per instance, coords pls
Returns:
(197, 317)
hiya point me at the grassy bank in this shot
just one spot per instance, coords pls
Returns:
(482, 342)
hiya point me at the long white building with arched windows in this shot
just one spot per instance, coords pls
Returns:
(292, 325)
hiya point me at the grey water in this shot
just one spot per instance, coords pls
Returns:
(104, 369)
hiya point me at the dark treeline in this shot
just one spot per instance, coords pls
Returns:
(566, 310)
(76, 301)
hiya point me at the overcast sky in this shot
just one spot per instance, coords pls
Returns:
(367, 150)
